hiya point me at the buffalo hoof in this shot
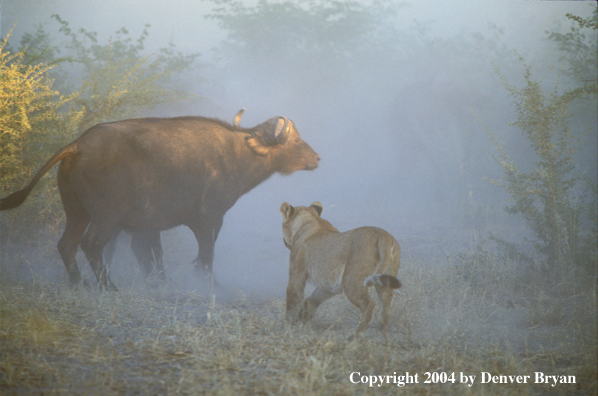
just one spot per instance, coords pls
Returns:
(154, 282)
(206, 278)
(81, 284)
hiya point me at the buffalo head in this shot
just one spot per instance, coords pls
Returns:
(279, 139)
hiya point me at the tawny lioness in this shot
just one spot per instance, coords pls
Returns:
(336, 262)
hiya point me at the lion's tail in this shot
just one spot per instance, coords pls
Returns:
(390, 254)
(382, 280)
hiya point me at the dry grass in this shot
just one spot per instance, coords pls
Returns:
(55, 340)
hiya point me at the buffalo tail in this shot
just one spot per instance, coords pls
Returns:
(17, 198)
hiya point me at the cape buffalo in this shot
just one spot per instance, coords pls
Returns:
(146, 245)
(151, 174)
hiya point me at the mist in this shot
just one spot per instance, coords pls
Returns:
(395, 102)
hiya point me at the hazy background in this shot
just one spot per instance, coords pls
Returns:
(388, 93)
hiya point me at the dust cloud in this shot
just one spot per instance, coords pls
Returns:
(393, 101)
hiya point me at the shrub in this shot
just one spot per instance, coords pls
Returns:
(98, 83)
(552, 198)
(30, 123)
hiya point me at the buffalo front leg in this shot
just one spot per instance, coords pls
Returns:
(206, 233)
(93, 243)
(147, 247)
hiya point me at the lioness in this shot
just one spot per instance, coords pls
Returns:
(333, 261)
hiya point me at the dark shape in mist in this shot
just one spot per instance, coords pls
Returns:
(147, 245)
(151, 174)
(147, 248)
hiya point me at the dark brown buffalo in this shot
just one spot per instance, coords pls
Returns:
(150, 174)
(146, 244)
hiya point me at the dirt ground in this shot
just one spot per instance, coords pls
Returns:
(163, 340)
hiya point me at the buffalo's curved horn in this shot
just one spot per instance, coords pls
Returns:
(282, 130)
(238, 116)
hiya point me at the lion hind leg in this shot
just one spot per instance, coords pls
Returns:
(360, 297)
(311, 304)
(385, 296)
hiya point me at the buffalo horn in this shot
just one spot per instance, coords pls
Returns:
(282, 130)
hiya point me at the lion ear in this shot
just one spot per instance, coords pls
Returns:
(317, 207)
(287, 210)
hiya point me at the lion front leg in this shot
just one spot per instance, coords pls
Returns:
(295, 294)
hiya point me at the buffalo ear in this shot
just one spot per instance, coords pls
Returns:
(287, 210)
(282, 131)
(256, 146)
(317, 207)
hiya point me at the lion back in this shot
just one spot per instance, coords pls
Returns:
(389, 252)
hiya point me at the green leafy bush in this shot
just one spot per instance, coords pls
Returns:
(97, 83)
(31, 118)
(554, 193)
(552, 198)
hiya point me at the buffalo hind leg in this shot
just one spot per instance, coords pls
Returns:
(147, 247)
(93, 243)
(110, 249)
(77, 220)
(76, 224)
(311, 304)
